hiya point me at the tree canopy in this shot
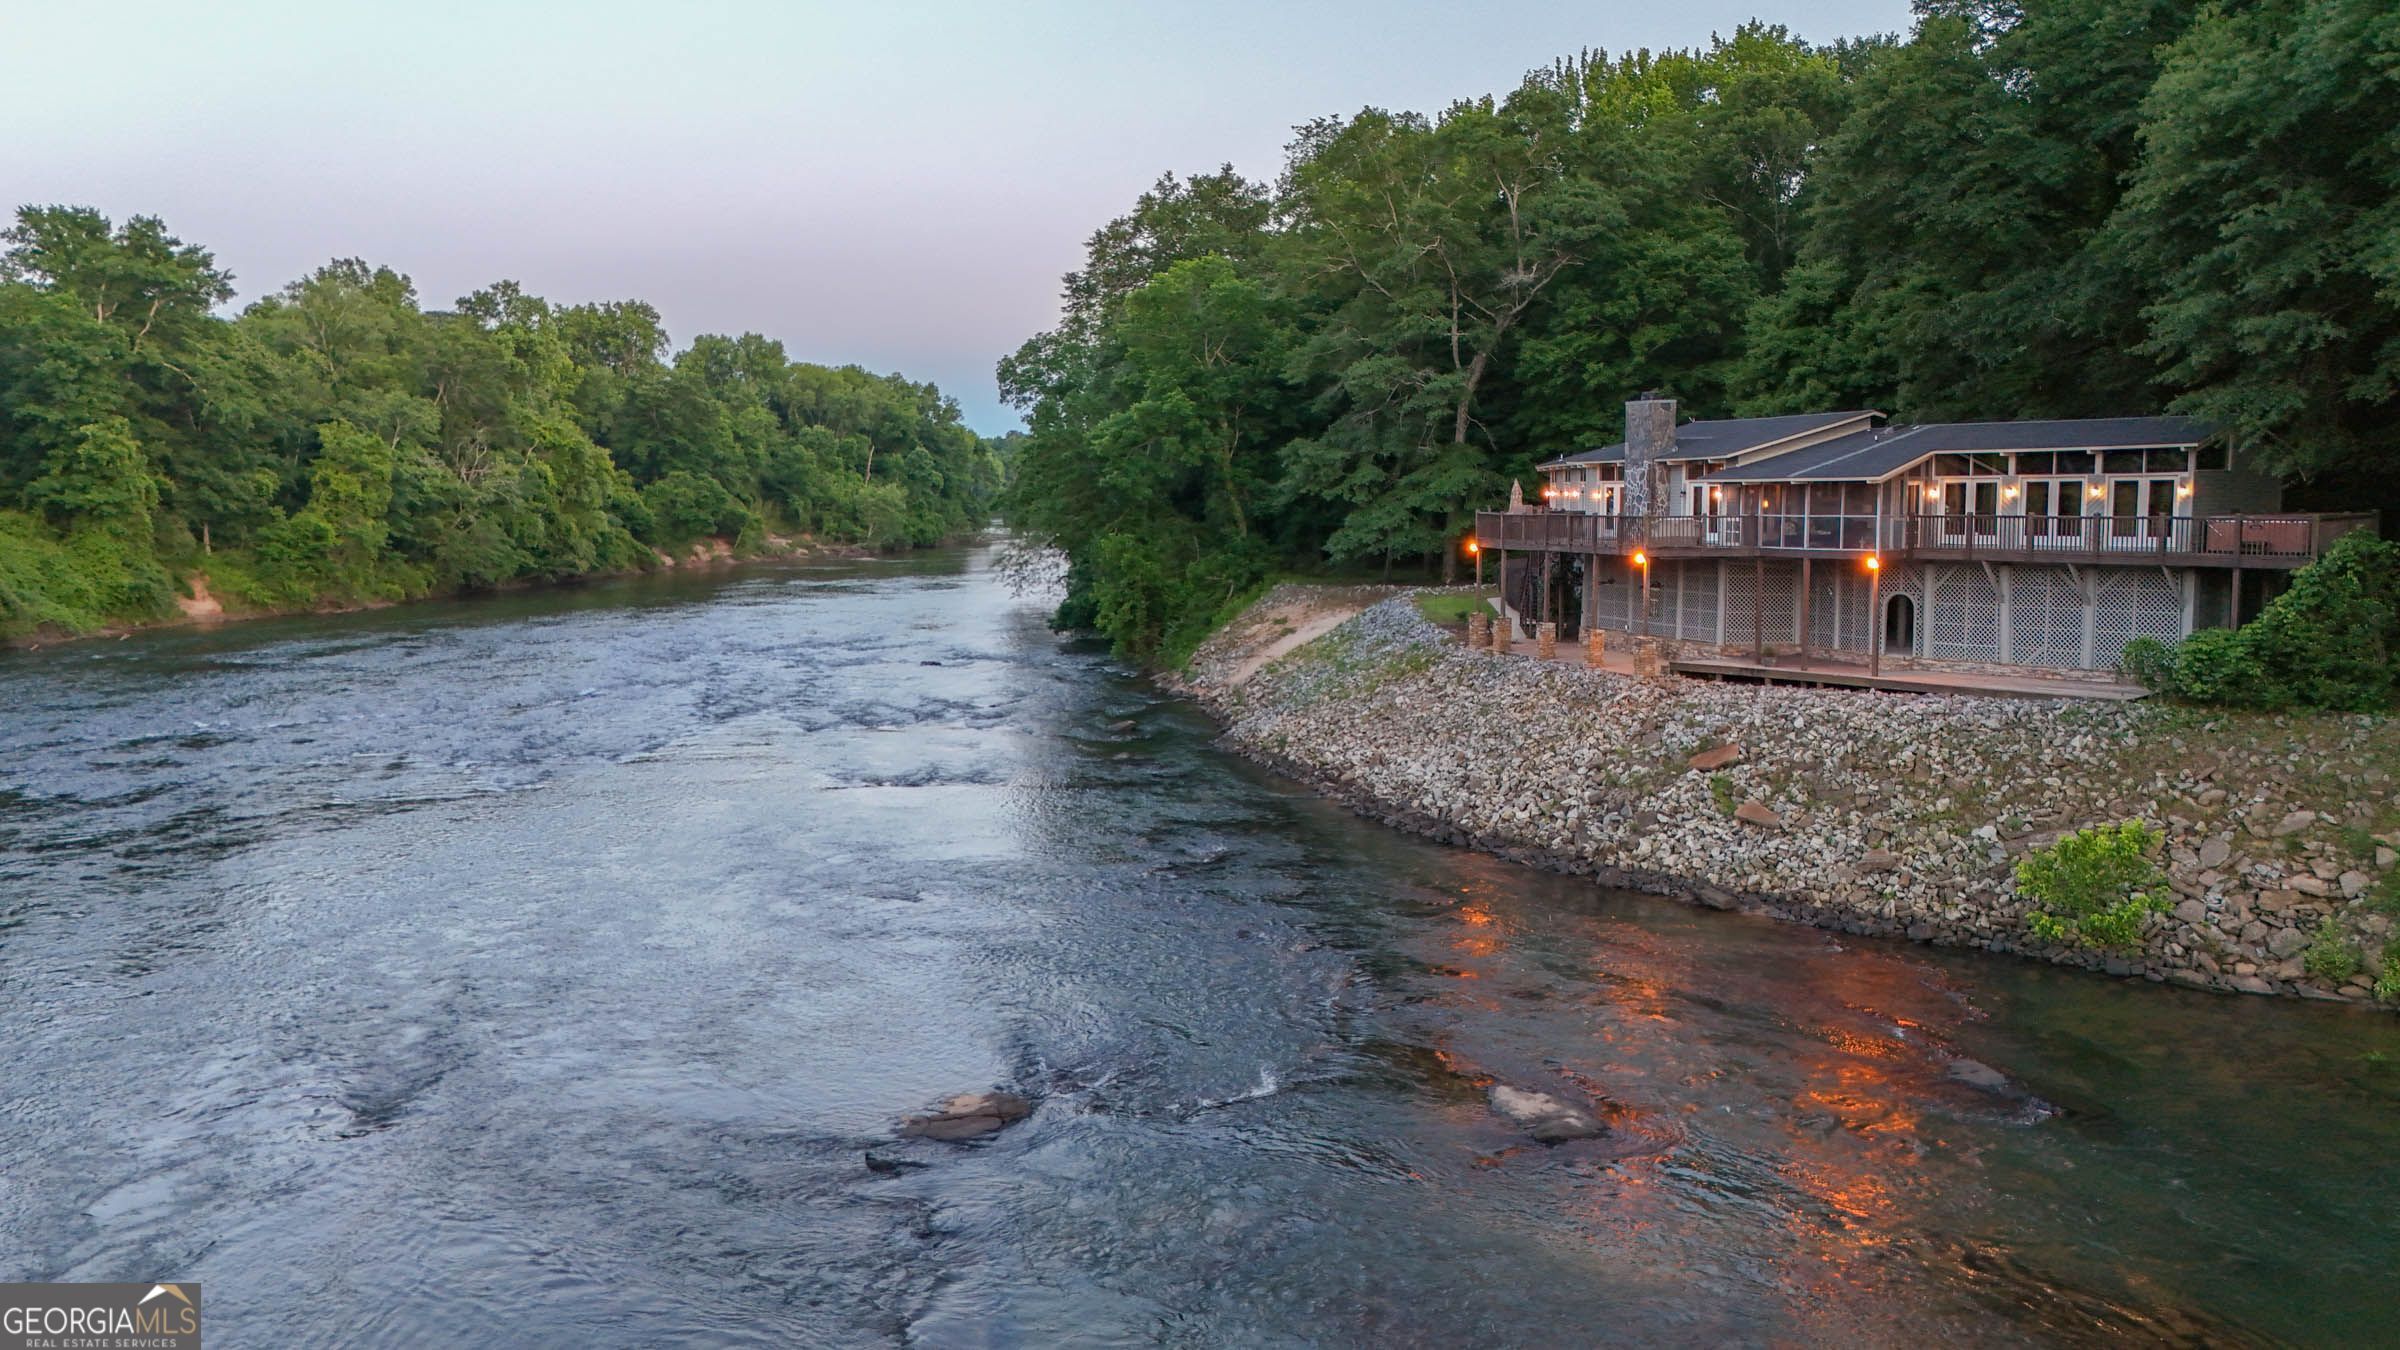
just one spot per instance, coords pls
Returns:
(338, 442)
(2079, 208)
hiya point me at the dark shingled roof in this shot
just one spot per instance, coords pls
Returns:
(1724, 438)
(1870, 456)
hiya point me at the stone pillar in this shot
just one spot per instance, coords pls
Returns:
(1548, 640)
(1501, 623)
(1595, 644)
(1479, 629)
(1649, 439)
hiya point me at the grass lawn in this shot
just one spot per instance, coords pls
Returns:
(1452, 609)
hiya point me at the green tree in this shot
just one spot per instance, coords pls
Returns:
(2262, 221)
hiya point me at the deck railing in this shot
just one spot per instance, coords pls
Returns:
(2271, 539)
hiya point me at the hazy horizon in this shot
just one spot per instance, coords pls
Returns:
(899, 191)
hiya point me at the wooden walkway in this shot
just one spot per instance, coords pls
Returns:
(1844, 675)
(1819, 672)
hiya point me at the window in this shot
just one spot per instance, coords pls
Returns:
(2078, 462)
(1989, 464)
(2043, 462)
(2121, 461)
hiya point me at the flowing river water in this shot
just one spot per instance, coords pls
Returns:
(543, 970)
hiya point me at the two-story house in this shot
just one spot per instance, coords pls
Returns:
(2039, 545)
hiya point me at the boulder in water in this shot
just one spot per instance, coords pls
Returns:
(1546, 1118)
(970, 1115)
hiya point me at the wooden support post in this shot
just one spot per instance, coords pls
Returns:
(1549, 587)
(1758, 606)
(1875, 618)
(1501, 619)
(1591, 592)
(1805, 588)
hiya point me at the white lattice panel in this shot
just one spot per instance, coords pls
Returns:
(1614, 600)
(1696, 613)
(2045, 617)
(1824, 609)
(1962, 614)
(1737, 598)
(2131, 602)
(1837, 609)
(1782, 601)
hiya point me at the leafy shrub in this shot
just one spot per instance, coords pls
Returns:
(2330, 957)
(2150, 663)
(2387, 984)
(2220, 666)
(2330, 641)
(2093, 886)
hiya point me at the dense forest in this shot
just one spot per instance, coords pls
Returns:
(2065, 208)
(337, 443)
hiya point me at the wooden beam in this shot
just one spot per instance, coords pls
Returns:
(1507, 622)
(1758, 602)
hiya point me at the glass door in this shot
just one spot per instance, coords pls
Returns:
(2141, 513)
(1708, 505)
(1970, 507)
(2160, 508)
(2054, 512)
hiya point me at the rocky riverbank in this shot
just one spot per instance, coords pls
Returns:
(1870, 813)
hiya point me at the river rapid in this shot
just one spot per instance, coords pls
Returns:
(544, 970)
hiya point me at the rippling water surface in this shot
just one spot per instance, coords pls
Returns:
(542, 970)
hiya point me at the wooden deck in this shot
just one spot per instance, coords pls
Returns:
(2281, 541)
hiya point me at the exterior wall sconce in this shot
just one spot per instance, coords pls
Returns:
(2184, 488)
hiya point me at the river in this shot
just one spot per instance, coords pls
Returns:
(543, 969)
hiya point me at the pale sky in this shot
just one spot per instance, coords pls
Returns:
(897, 185)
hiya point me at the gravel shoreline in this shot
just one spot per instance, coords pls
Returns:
(1892, 814)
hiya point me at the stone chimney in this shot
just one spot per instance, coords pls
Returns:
(1649, 439)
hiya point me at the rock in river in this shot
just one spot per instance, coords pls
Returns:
(970, 1115)
(1543, 1116)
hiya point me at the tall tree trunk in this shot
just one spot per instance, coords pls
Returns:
(1466, 397)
